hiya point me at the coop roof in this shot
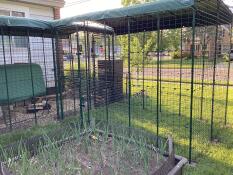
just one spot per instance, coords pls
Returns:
(20, 26)
(142, 17)
(174, 14)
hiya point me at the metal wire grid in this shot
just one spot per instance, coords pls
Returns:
(168, 97)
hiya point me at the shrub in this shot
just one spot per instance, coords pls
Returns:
(177, 55)
(226, 57)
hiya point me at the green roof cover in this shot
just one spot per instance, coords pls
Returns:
(20, 82)
(131, 11)
(8, 21)
(175, 12)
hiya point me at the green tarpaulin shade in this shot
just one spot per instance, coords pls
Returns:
(9, 21)
(143, 17)
(20, 81)
(177, 12)
(131, 11)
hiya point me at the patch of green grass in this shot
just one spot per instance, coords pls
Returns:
(15, 136)
(95, 147)
(186, 63)
(22, 134)
(212, 158)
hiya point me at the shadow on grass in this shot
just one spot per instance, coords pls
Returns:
(211, 157)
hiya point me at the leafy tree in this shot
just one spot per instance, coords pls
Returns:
(170, 40)
(132, 2)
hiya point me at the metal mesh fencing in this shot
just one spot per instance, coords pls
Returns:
(168, 73)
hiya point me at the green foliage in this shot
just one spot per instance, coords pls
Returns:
(87, 144)
(132, 2)
(170, 40)
(177, 55)
(226, 57)
(136, 47)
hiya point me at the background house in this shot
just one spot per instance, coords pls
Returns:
(35, 9)
(208, 45)
(47, 10)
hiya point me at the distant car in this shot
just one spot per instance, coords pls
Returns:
(68, 57)
(231, 55)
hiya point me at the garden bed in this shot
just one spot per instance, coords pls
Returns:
(94, 153)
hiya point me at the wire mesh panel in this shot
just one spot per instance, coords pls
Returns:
(166, 70)
(173, 66)
(27, 80)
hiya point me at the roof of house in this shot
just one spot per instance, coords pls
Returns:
(174, 14)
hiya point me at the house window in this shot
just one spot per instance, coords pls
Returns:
(11, 13)
(17, 14)
(5, 13)
(223, 33)
(197, 47)
(219, 49)
(18, 41)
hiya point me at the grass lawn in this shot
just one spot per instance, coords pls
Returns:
(165, 63)
(212, 158)
(186, 63)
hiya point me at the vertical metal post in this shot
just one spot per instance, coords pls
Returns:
(80, 80)
(228, 80)
(94, 66)
(214, 79)
(56, 78)
(60, 86)
(72, 71)
(6, 79)
(129, 73)
(10, 45)
(109, 48)
(158, 65)
(89, 71)
(203, 76)
(44, 62)
(45, 67)
(113, 66)
(86, 62)
(31, 73)
(143, 69)
(106, 72)
(192, 85)
(181, 71)
(160, 75)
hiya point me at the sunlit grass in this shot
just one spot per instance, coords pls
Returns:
(212, 158)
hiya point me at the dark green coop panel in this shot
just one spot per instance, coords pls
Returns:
(20, 82)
